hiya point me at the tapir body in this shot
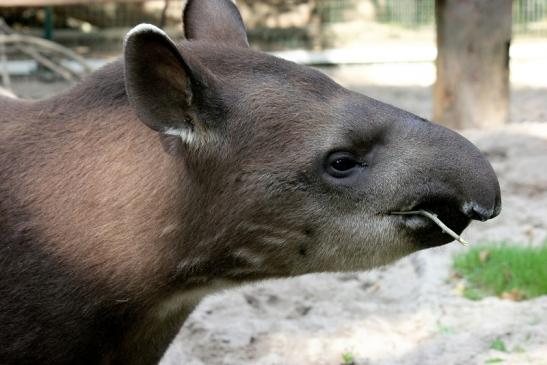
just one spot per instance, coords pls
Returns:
(182, 169)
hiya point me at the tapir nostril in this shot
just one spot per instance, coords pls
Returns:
(476, 212)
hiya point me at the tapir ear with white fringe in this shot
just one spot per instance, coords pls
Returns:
(167, 89)
(217, 21)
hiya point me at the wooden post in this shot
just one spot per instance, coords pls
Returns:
(473, 39)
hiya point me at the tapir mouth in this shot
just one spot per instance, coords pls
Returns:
(424, 230)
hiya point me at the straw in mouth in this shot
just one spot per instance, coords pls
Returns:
(437, 221)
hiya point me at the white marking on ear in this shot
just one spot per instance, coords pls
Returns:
(186, 135)
(145, 28)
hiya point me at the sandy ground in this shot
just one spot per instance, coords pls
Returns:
(411, 312)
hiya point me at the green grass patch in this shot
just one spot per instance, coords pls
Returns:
(498, 345)
(508, 271)
(348, 358)
(494, 360)
(444, 329)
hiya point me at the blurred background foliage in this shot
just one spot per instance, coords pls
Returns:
(272, 24)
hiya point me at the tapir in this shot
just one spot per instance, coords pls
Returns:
(181, 169)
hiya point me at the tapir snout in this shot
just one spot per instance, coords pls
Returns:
(441, 172)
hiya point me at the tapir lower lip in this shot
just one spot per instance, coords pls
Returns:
(428, 234)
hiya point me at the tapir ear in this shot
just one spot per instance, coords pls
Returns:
(162, 85)
(216, 21)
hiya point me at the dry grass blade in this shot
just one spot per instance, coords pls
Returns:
(437, 221)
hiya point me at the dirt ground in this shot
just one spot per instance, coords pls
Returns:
(408, 313)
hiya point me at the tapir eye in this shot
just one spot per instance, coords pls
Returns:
(341, 164)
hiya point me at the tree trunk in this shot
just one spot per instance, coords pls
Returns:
(473, 39)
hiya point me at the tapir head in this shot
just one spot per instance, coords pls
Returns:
(285, 171)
